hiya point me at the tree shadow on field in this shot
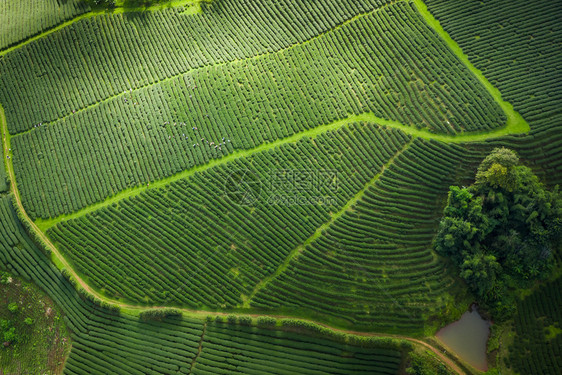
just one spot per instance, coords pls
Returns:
(139, 15)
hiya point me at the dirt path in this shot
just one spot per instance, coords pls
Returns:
(515, 124)
(191, 313)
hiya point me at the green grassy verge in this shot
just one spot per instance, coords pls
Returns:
(515, 122)
(296, 251)
(513, 127)
(191, 7)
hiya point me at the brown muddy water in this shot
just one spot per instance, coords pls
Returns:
(467, 337)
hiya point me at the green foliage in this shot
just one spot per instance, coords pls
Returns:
(33, 338)
(266, 321)
(501, 39)
(425, 364)
(35, 16)
(158, 108)
(480, 271)
(8, 333)
(3, 176)
(245, 320)
(13, 307)
(502, 231)
(142, 3)
(5, 278)
(244, 245)
(537, 346)
(160, 314)
(367, 266)
(102, 3)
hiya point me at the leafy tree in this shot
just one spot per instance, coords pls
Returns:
(8, 332)
(13, 307)
(159, 314)
(28, 321)
(480, 272)
(424, 364)
(502, 231)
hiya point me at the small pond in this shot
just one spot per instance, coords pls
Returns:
(467, 337)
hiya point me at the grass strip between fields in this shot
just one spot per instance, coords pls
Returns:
(193, 7)
(299, 249)
(200, 68)
(512, 127)
(449, 359)
(515, 125)
(515, 122)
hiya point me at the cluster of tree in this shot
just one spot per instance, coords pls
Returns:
(8, 332)
(159, 314)
(502, 231)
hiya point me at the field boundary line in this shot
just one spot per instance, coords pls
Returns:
(515, 122)
(369, 117)
(197, 69)
(199, 349)
(294, 254)
(61, 263)
(93, 13)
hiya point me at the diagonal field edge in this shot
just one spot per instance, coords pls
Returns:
(93, 13)
(515, 123)
(350, 203)
(45, 224)
(224, 63)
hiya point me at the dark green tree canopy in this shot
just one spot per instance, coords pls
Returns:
(502, 231)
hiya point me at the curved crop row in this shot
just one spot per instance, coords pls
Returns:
(100, 57)
(195, 242)
(373, 267)
(516, 44)
(388, 62)
(537, 346)
(107, 342)
(33, 17)
(102, 338)
(541, 149)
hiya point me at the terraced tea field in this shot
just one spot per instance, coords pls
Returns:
(268, 175)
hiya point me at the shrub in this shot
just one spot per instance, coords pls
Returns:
(13, 307)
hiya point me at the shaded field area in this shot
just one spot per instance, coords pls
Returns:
(125, 344)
